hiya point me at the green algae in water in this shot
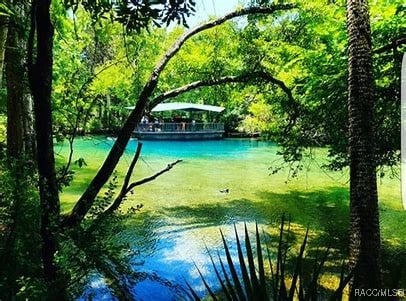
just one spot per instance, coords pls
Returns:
(191, 190)
(184, 208)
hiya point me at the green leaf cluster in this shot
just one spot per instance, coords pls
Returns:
(20, 242)
(307, 49)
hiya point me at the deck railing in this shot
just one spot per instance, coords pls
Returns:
(181, 127)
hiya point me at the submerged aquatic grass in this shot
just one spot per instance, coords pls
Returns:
(220, 183)
(191, 192)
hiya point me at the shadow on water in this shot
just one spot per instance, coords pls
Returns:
(167, 244)
(167, 241)
(320, 210)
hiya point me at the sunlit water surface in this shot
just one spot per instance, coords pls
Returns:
(184, 209)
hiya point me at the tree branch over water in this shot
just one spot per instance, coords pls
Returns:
(242, 78)
(153, 177)
(127, 187)
(117, 202)
(86, 201)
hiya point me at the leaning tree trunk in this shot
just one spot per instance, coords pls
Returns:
(86, 201)
(364, 214)
(40, 78)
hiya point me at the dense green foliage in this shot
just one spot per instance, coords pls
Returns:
(19, 232)
(99, 70)
(46, 262)
(308, 51)
(100, 67)
(96, 247)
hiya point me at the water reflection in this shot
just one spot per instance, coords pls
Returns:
(167, 255)
(178, 252)
(168, 241)
(184, 209)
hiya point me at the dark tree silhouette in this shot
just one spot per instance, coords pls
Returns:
(364, 214)
(40, 79)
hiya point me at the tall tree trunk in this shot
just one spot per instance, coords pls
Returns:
(18, 112)
(364, 214)
(3, 38)
(40, 78)
(19, 102)
(30, 148)
(15, 90)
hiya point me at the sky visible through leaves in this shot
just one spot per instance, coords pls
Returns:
(210, 8)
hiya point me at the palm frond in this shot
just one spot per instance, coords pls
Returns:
(251, 281)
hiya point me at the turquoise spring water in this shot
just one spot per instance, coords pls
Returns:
(185, 208)
(226, 148)
(168, 239)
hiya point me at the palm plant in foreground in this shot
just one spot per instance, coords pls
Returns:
(259, 276)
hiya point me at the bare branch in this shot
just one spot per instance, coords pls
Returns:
(117, 202)
(127, 188)
(86, 201)
(153, 177)
(242, 78)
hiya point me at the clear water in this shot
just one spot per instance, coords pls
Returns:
(185, 208)
(226, 148)
(168, 238)
(230, 148)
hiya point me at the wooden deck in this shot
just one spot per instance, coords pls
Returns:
(179, 131)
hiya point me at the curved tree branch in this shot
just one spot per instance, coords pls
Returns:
(391, 46)
(238, 13)
(242, 78)
(86, 201)
(127, 187)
